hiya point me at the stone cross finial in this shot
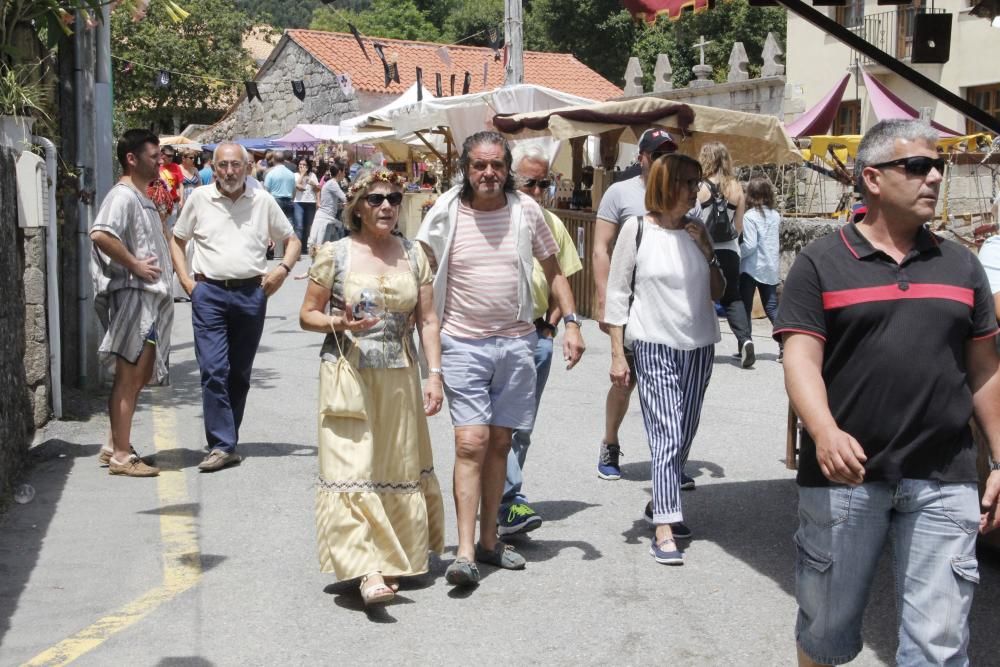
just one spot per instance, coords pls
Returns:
(738, 62)
(700, 45)
(633, 77)
(663, 75)
(772, 51)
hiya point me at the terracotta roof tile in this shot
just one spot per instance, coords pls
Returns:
(340, 53)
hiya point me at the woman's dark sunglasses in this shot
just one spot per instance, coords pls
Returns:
(543, 183)
(918, 165)
(395, 199)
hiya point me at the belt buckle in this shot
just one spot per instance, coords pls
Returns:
(225, 283)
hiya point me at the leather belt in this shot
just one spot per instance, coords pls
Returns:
(231, 283)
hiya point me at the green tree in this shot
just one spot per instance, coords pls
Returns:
(394, 19)
(470, 21)
(730, 21)
(206, 50)
(598, 32)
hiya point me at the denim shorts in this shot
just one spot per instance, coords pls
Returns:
(842, 531)
(490, 381)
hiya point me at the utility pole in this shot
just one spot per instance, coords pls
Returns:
(514, 38)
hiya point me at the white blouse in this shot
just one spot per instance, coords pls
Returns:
(307, 196)
(673, 304)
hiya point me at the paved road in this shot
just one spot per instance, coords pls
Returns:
(196, 569)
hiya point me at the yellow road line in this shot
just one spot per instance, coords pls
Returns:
(181, 555)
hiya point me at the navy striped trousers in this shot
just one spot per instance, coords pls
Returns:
(672, 386)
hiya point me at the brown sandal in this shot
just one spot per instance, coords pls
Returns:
(376, 593)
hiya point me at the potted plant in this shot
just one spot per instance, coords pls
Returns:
(21, 98)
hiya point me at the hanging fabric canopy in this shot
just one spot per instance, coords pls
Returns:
(819, 119)
(888, 105)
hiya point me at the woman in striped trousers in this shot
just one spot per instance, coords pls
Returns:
(664, 277)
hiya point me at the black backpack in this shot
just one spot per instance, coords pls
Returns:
(719, 224)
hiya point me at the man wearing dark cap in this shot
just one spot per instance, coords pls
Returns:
(620, 202)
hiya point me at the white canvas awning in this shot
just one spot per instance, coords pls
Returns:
(468, 114)
(750, 138)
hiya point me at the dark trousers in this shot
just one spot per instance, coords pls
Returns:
(768, 295)
(736, 313)
(227, 328)
(287, 207)
(303, 215)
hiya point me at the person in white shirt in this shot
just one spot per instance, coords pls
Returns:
(229, 224)
(304, 200)
(664, 277)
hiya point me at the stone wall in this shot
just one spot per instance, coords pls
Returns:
(16, 414)
(797, 233)
(36, 335)
(764, 96)
(280, 110)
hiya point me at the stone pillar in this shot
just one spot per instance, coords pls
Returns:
(663, 75)
(772, 52)
(738, 62)
(633, 78)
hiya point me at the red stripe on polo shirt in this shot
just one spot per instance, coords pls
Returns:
(991, 334)
(893, 292)
(848, 244)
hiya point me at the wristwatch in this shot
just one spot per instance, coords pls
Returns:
(994, 465)
(572, 318)
(714, 262)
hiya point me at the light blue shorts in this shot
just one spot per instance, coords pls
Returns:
(490, 381)
(842, 532)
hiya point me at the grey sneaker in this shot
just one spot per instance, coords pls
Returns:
(218, 459)
(502, 556)
(747, 356)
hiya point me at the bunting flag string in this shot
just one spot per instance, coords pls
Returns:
(299, 89)
(252, 91)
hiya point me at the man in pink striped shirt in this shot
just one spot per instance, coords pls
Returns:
(483, 236)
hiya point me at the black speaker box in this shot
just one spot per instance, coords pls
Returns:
(931, 38)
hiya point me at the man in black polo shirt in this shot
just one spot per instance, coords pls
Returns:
(889, 351)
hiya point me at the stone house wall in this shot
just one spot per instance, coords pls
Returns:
(17, 412)
(764, 96)
(280, 110)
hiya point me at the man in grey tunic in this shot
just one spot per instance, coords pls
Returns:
(132, 273)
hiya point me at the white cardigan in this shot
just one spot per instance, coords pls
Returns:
(437, 233)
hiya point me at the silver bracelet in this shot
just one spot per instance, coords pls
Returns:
(435, 371)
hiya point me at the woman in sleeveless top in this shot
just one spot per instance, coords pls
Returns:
(192, 178)
(717, 167)
(378, 504)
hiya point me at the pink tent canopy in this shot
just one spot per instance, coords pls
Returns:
(819, 119)
(887, 105)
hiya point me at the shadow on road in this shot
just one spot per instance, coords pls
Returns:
(639, 471)
(557, 510)
(24, 527)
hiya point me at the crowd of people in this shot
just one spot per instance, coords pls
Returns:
(887, 332)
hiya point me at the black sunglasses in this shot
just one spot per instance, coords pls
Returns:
(918, 165)
(543, 183)
(395, 199)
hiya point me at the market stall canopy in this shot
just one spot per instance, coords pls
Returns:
(819, 119)
(381, 116)
(887, 105)
(468, 114)
(750, 138)
(309, 135)
(257, 144)
(846, 146)
(177, 140)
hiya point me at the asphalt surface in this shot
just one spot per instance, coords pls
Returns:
(220, 569)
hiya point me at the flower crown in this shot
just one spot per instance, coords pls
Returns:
(369, 179)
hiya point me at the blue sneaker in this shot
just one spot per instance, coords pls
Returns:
(666, 552)
(518, 518)
(607, 466)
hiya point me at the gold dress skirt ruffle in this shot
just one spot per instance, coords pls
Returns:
(378, 502)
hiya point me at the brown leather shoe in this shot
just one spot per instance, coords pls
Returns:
(133, 467)
(104, 458)
(218, 459)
